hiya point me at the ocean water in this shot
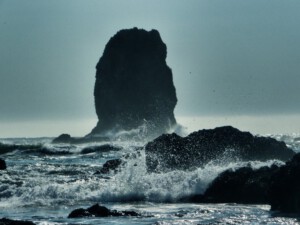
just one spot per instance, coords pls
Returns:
(44, 182)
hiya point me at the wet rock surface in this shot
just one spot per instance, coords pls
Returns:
(278, 186)
(170, 151)
(67, 139)
(101, 148)
(5, 221)
(244, 185)
(110, 165)
(99, 211)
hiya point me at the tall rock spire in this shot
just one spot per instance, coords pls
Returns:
(134, 86)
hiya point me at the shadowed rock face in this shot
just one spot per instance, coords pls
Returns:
(134, 85)
(245, 186)
(277, 186)
(99, 211)
(285, 187)
(170, 151)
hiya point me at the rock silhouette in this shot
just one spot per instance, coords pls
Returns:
(285, 187)
(2, 164)
(278, 186)
(170, 151)
(245, 185)
(5, 221)
(134, 86)
(99, 211)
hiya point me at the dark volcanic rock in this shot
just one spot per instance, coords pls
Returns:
(63, 138)
(101, 148)
(171, 151)
(245, 186)
(134, 85)
(5, 221)
(2, 164)
(285, 187)
(99, 211)
(277, 186)
(67, 139)
(110, 165)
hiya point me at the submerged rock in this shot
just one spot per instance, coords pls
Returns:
(99, 211)
(244, 186)
(5, 221)
(134, 86)
(170, 151)
(2, 164)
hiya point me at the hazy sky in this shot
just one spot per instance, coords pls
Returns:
(228, 57)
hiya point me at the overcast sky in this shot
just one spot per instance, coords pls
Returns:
(229, 58)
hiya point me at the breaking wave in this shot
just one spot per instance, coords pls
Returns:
(61, 174)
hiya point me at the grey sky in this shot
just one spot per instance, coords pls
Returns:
(233, 57)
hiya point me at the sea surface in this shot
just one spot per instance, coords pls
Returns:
(44, 182)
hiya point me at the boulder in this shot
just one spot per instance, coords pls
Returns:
(101, 148)
(110, 165)
(5, 221)
(170, 151)
(285, 187)
(277, 186)
(134, 86)
(244, 186)
(2, 164)
(67, 139)
(99, 211)
(63, 138)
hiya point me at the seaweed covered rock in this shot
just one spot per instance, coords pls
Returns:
(170, 151)
(134, 86)
(99, 211)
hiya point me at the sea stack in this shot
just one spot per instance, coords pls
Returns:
(134, 86)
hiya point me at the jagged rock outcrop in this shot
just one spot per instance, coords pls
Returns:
(99, 211)
(134, 86)
(170, 151)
